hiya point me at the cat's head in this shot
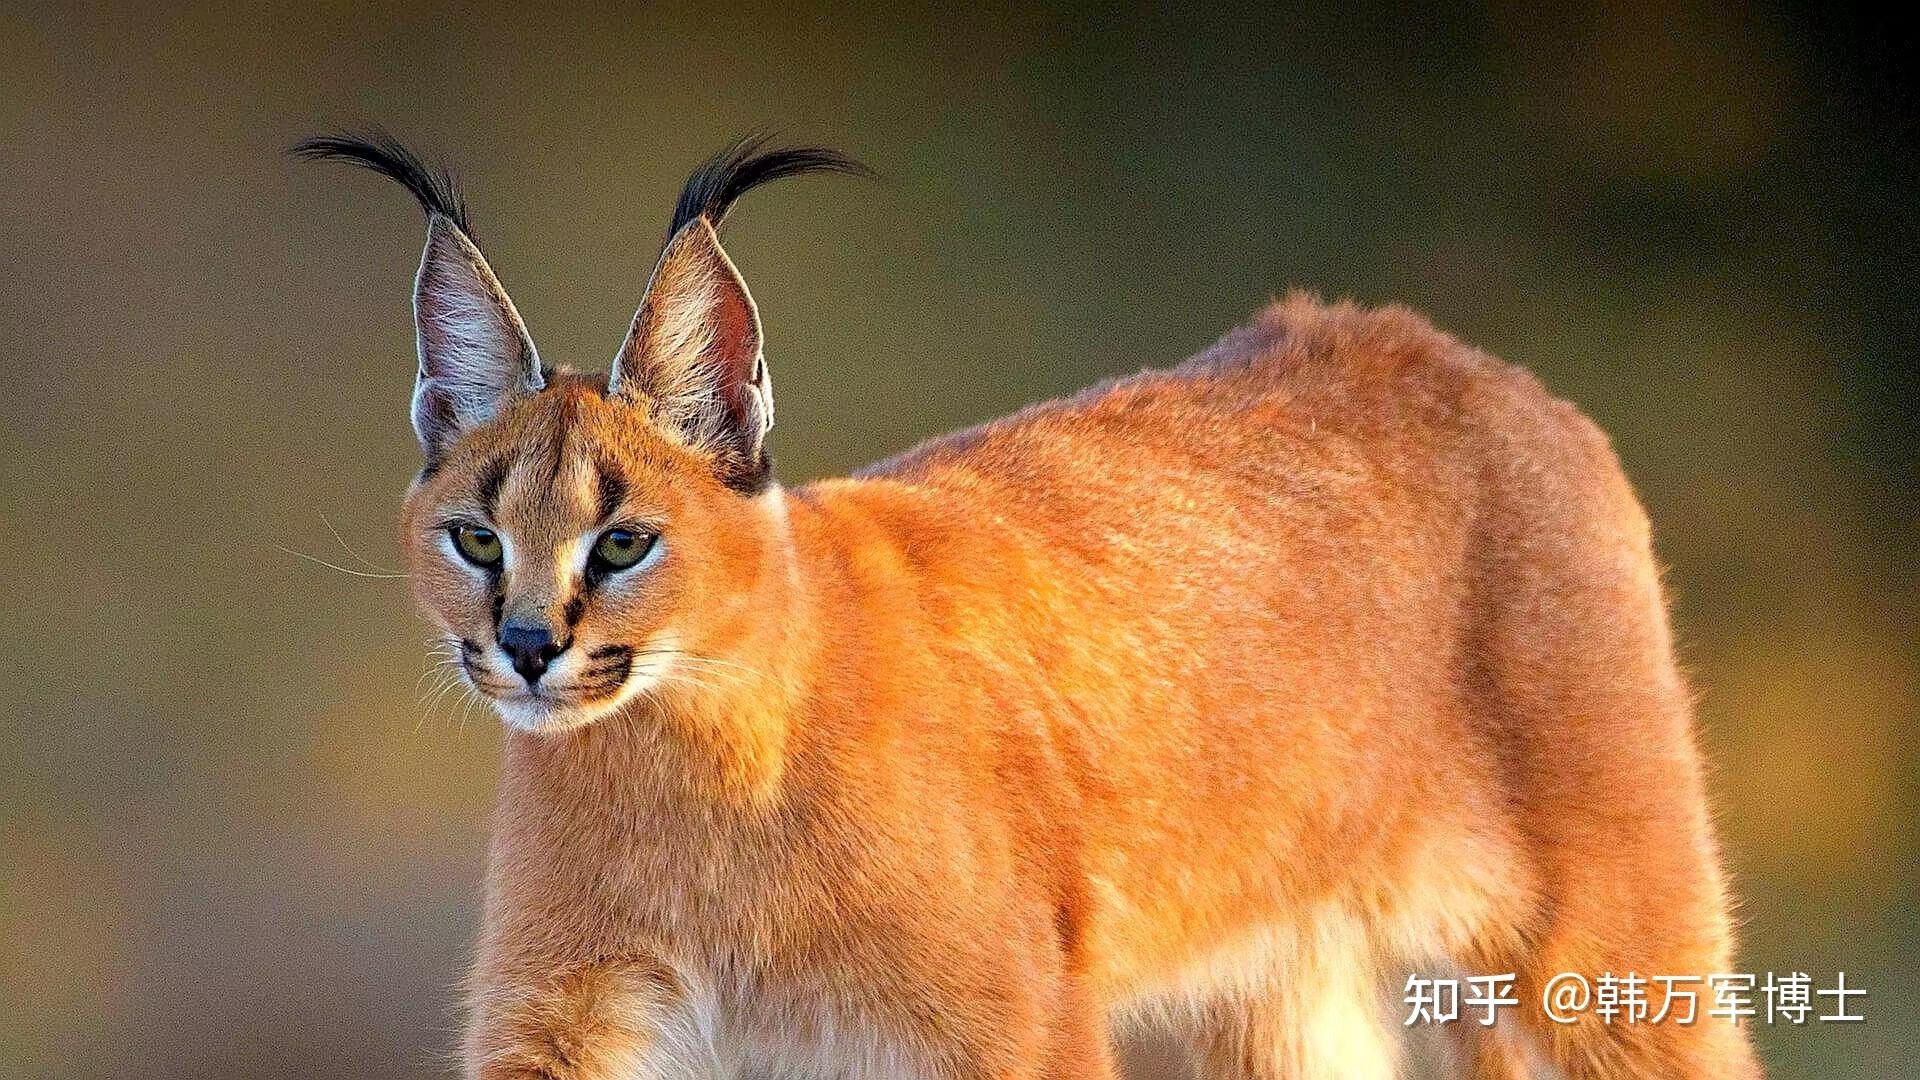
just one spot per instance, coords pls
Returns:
(581, 538)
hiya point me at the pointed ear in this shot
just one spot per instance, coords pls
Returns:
(475, 355)
(693, 359)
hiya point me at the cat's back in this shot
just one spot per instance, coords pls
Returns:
(1310, 412)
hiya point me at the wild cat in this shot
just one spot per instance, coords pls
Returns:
(1212, 702)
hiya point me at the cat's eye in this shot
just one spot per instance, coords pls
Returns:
(478, 545)
(620, 549)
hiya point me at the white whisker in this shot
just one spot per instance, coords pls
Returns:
(440, 694)
(710, 661)
(335, 566)
(674, 677)
(348, 548)
(472, 699)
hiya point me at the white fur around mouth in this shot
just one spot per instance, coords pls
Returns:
(542, 710)
(539, 715)
(543, 715)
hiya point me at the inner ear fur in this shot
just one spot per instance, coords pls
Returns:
(693, 357)
(476, 356)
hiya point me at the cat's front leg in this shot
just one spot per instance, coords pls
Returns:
(614, 1018)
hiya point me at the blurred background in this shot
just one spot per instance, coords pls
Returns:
(236, 842)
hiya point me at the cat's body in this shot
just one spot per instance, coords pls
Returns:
(1214, 702)
(1335, 655)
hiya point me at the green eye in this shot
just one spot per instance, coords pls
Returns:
(619, 549)
(478, 545)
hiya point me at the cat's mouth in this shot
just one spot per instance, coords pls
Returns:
(574, 692)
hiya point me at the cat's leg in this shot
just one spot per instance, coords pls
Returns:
(611, 1019)
(1290, 1037)
(1080, 1045)
(1322, 1021)
(1041, 1031)
(1020, 1013)
(1491, 1053)
(1590, 1048)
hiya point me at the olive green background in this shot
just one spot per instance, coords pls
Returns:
(234, 842)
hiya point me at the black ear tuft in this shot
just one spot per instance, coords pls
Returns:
(711, 190)
(436, 189)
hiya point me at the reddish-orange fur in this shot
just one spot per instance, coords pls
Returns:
(1215, 700)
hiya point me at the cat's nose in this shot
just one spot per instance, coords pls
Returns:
(531, 647)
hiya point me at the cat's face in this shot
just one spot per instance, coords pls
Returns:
(582, 541)
(574, 556)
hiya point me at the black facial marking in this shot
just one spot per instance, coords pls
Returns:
(470, 653)
(491, 478)
(557, 443)
(612, 488)
(499, 605)
(606, 671)
(576, 607)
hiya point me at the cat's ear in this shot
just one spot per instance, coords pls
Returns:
(475, 354)
(693, 359)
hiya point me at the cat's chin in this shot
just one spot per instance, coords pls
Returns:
(546, 716)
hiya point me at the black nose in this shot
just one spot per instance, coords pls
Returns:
(532, 648)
